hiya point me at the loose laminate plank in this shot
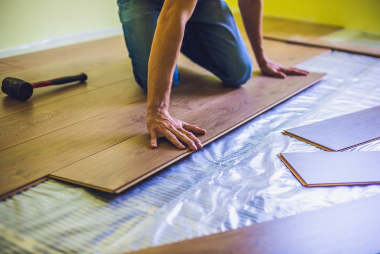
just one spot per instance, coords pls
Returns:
(341, 133)
(351, 227)
(122, 165)
(334, 169)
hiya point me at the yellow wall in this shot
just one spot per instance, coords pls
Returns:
(356, 14)
(26, 21)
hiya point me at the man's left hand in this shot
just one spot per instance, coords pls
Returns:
(275, 70)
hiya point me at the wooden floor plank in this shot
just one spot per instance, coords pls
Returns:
(284, 28)
(67, 67)
(91, 66)
(42, 156)
(307, 33)
(114, 168)
(82, 50)
(351, 227)
(5, 68)
(30, 124)
(342, 46)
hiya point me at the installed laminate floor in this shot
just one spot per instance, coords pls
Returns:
(64, 125)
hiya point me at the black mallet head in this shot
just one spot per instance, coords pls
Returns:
(17, 88)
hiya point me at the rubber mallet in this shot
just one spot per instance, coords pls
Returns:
(21, 90)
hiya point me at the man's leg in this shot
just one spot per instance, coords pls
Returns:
(213, 41)
(139, 19)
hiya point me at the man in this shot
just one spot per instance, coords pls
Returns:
(205, 31)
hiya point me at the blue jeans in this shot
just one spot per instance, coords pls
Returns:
(211, 39)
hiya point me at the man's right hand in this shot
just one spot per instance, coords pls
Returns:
(162, 124)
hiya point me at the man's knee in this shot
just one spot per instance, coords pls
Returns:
(239, 74)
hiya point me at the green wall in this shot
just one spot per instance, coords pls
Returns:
(26, 21)
(362, 15)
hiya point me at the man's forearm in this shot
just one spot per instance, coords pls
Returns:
(165, 49)
(251, 12)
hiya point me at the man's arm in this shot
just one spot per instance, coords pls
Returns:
(163, 57)
(252, 12)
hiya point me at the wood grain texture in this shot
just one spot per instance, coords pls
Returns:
(284, 28)
(41, 156)
(114, 168)
(101, 72)
(351, 227)
(334, 169)
(342, 46)
(31, 124)
(5, 68)
(61, 125)
(112, 45)
(342, 132)
(306, 33)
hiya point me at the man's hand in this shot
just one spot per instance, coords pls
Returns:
(161, 124)
(272, 69)
(252, 14)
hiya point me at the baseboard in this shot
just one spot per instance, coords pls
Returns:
(61, 41)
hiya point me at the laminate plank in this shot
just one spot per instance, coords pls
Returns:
(37, 158)
(306, 33)
(341, 133)
(26, 163)
(284, 28)
(41, 97)
(116, 168)
(36, 122)
(5, 68)
(67, 67)
(342, 46)
(334, 169)
(351, 227)
(83, 50)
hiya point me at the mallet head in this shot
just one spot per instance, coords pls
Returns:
(17, 88)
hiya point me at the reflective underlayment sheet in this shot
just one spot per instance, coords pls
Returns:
(233, 182)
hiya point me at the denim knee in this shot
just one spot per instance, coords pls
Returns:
(239, 74)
